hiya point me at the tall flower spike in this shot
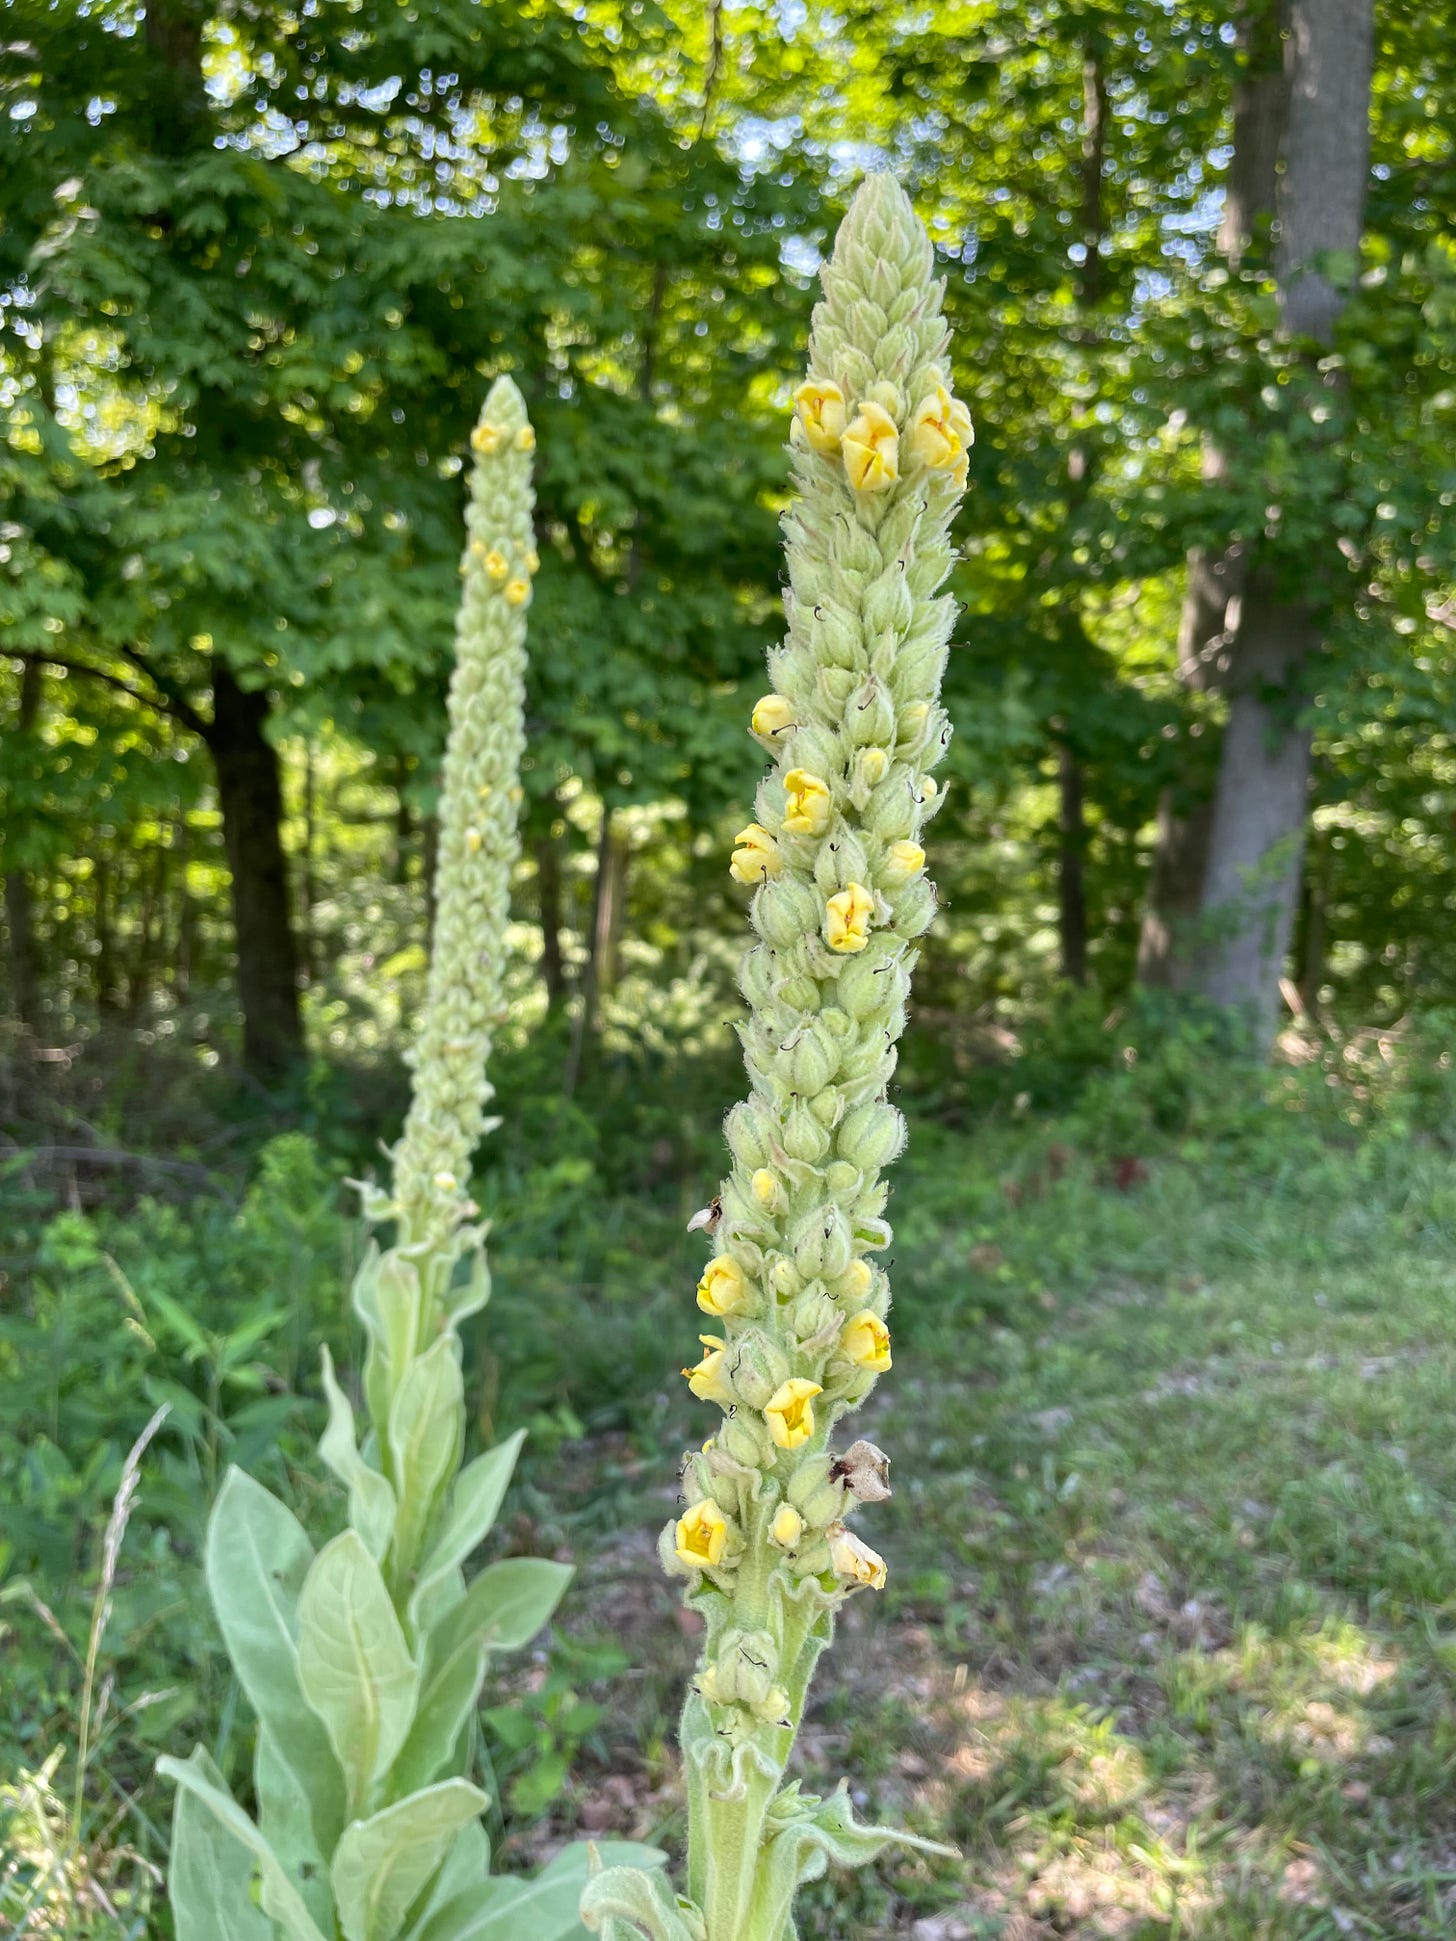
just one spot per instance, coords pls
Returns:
(879, 456)
(364, 1662)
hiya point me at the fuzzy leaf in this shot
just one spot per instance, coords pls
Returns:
(210, 1878)
(543, 1909)
(257, 1560)
(424, 1441)
(622, 1901)
(383, 1864)
(371, 1499)
(280, 1898)
(283, 1819)
(474, 1504)
(503, 1609)
(353, 1662)
(466, 1871)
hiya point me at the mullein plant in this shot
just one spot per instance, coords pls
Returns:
(794, 1295)
(364, 1662)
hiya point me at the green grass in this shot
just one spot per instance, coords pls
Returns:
(1169, 1644)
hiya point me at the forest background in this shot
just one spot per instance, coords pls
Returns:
(1166, 1647)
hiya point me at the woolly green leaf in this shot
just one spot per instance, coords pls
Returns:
(474, 1504)
(543, 1909)
(621, 1902)
(371, 1500)
(283, 1818)
(353, 1662)
(257, 1559)
(503, 1609)
(424, 1440)
(466, 1871)
(383, 1864)
(280, 1898)
(210, 1878)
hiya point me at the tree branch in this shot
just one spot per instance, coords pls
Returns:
(177, 707)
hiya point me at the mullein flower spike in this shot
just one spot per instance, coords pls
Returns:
(840, 899)
(364, 1662)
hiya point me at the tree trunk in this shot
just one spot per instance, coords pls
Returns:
(599, 945)
(1170, 936)
(548, 897)
(1071, 868)
(250, 796)
(19, 901)
(1261, 802)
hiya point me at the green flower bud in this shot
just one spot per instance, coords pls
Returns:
(815, 1494)
(804, 1137)
(871, 1135)
(784, 911)
(756, 1366)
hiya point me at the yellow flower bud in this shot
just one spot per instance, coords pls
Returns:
(722, 1290)
(866, 1341)
(820, 409)
(872, 765)
(855, 1560)
(486, 439)
(929, 788)
(526, 439)
(496, 566)
(772, 715)
(847, 919)
(533, 560)
(766, 1189)
(790, 1412)
(446, 1181)
(940, 431)
(808, 803)
(756, 855)
(902, 861)
(872, 450)
(518, 592)
(706, 1378)
(856, 1281)
(472, 841)
(787, 1527)
(702, 1535)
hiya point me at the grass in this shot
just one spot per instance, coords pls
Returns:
(1170, 1640)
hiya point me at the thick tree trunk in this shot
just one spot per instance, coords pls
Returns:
(1071, 868)
(1256, 839)
(1170, 937)
(19, 901)
(250, 796)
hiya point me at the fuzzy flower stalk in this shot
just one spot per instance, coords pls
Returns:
(794, 1296)
(363, 1662)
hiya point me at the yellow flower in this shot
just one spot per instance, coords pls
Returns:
(820, 409)
(809, 803)
(929, 788)
(772, 715)
(872, 450)
(755, 856)
(765, 1188)
(496, 566)
(866, 1340)
(518, 592)
(525, 439)
(706, 1378)
(940, 430)
(486, 439)
(702, 1535)
(903, 860)
(855, 1560)
(847, 925)
(787, 1527)
(722, 1290)
(790, 1412)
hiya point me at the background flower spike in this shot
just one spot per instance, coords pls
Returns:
(879, 455)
